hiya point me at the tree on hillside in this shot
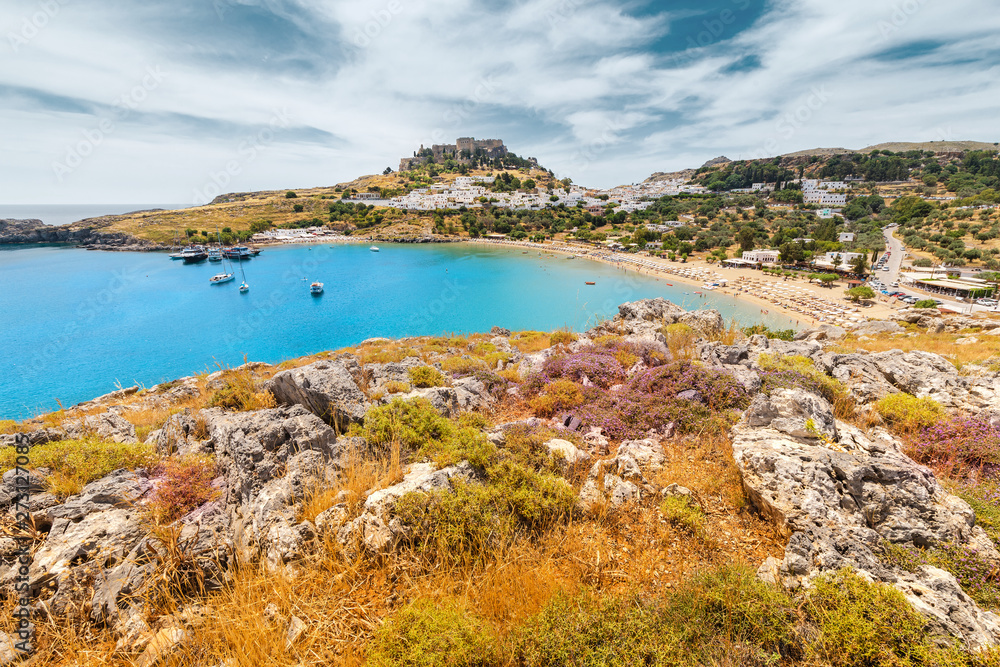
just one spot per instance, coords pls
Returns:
(746, 238)
(859, 265)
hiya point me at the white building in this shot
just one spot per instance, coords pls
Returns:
(845, 257)
(846, 237)
(823, 198)
(761, 256)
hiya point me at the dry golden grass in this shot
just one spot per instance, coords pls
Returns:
(528, 342)
(987, 347)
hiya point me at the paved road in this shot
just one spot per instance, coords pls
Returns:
(895, 258)
(892, 275)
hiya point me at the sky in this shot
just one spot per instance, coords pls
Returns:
(120, 101)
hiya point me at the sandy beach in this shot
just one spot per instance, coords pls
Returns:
(808, 304)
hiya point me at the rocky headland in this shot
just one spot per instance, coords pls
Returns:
(658, 489)
(85, 234)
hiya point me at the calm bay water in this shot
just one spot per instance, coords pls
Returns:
(76, 322)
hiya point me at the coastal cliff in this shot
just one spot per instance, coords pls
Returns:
(85, 234)
(660, 489)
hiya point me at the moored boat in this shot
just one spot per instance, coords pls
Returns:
(237, 252)
(374, 248)
(220, 278)
(195, 257)
(192, 251)
(316, 288)
(214, 255)
(591, 283)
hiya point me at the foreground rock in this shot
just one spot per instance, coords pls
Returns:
(867, 376)
(840, 496)
(328, 389)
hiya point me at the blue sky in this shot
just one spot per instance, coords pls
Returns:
(116, 101)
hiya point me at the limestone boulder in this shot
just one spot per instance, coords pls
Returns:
(840, 497)
(328, 389)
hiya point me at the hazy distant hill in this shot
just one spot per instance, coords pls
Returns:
(902, 147)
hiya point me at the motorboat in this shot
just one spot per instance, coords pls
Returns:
(192, 252)
(316, 288)
(195, 257)
(244, 288)
(374, 248)
(214, 255)
(237, 252)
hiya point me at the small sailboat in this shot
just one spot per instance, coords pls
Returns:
(244, 288)
(316, 289)
(374, 248)
(223, 277)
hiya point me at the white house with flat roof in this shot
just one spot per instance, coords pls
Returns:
(761, 256)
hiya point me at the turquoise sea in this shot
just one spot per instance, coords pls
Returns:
(75, 323)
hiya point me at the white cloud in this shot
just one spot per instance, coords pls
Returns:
(382, 76)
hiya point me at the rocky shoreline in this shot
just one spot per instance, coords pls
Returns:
(33, 232)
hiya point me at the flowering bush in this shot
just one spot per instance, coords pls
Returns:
(720, 390)
(186, 485)
(602, 369)
(959, 444)
(650, 401)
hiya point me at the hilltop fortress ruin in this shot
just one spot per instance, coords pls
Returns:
(463, 151)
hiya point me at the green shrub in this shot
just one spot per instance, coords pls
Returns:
(477, 520)
(732, 604)
(984, 498)
(587, 631)
(798, 372)
(417, 427)
(426, 376)
(681, 512)
(76, 463)
(424, 634)
(526, 446)
(780, 334)
(713, 617)
(866, 624)
(906, 413)
(290, 194)
(926, 303)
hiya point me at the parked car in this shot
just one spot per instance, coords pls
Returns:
(990, 303)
